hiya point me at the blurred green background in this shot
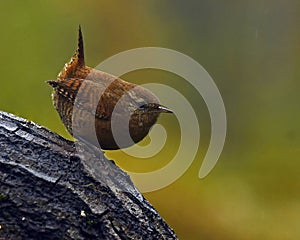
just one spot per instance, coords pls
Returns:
(252, 51)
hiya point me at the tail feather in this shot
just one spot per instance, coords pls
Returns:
(80, 49)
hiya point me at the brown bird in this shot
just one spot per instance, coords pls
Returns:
(100, 108)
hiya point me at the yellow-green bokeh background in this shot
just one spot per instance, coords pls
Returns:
(250, 48)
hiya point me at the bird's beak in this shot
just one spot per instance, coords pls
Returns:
(163, 109)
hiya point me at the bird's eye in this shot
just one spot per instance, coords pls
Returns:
(144, 106)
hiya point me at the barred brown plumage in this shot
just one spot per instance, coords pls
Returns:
(82, 93)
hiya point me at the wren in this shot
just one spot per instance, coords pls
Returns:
(101, 108)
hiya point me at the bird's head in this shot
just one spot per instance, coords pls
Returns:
(147, 114)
